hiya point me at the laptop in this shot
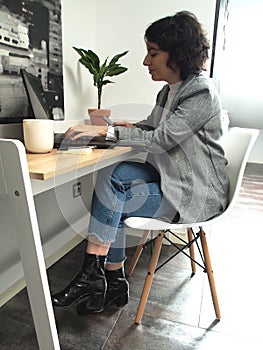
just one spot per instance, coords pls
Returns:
(41, 110)
(61, 142)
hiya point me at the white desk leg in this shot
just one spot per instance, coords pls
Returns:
(18, 189)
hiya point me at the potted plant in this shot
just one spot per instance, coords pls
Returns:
(100, 73)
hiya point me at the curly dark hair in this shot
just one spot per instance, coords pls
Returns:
(183, 37)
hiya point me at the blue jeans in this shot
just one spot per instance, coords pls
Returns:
(124, 190)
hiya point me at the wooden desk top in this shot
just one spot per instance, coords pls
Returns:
(48, 165)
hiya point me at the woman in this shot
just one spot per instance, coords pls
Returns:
(184, 177)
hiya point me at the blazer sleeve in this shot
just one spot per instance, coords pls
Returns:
(193, 110)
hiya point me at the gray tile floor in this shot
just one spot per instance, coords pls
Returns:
(179, 314)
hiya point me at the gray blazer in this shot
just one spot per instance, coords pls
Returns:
(186, 149)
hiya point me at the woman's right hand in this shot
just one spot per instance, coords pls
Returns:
(75, 132)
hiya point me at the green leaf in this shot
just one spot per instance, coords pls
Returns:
(88, 59)
(117, 57)
(105, 82)
(116, 71)
(103, 68)
(94, 58)
(88, 65)
(81, 52)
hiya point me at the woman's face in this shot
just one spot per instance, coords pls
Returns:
(156, 60)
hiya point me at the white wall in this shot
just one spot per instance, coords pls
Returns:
(110, 27)
(78, 27)
(240, 69)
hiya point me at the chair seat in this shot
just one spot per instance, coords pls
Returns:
(150, 224)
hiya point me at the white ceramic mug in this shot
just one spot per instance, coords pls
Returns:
(38, 135)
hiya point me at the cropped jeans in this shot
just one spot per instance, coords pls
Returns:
(121, 191)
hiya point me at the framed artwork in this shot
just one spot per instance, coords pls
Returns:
(31, 40)
(219, 38)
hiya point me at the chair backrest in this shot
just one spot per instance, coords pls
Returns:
(237, 143)
(15, 185)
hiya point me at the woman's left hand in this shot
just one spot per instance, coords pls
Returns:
(78, 131)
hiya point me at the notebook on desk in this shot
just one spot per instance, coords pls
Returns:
(61, 142)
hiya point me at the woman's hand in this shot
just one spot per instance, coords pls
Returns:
(125, 124)
(78, 131)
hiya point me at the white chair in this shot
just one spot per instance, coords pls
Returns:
(237, 144)
(15, 186)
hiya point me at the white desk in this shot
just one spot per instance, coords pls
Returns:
(21, 177)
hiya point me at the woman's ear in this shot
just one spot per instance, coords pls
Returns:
(173, 66)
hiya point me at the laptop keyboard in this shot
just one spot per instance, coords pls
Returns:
(60, 141)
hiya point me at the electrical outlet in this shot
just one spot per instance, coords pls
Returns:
(77, 189)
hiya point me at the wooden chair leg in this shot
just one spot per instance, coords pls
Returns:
(210, 273)
(191, 249)
(137, 254)
(149, 277)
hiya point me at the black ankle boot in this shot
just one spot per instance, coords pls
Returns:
(118, 288)
(117, 293)
(89, 281)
